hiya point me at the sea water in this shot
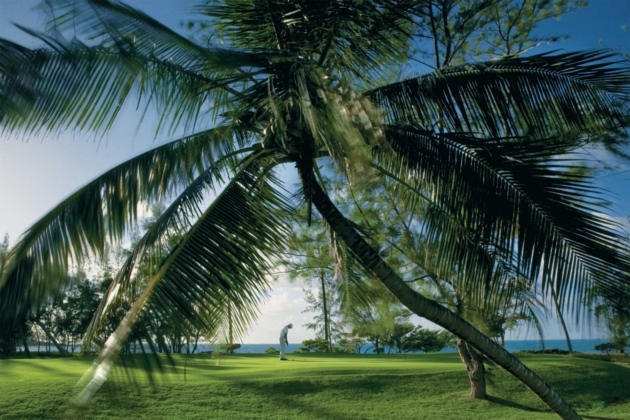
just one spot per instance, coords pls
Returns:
(582, 346)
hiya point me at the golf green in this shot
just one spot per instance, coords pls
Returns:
(313, 386)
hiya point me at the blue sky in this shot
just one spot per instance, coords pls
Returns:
(36, 172)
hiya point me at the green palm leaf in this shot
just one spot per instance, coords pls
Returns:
(104, 210)
(51, 90)
(124, 28)
(223, 258)
(358, 37)
(509, 197)
(177, 218)
(543, 95)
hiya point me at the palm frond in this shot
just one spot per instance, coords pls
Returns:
(543, 95)
(223, 258)
(121, 27)
(359, 37)
(176, 219)
(84, 88)
(104, 210)
(509, 197)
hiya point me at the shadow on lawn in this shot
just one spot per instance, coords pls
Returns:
(291, 393)
(20, 367)
(512, 404)
(591, 382)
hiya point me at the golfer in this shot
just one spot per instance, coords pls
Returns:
(284, 340)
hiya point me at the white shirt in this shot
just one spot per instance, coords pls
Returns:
(284, 331)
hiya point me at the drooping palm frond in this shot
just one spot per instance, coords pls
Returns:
(543, 95)
(104, 210)
(223, 258)
(508, 196)
(117, 25)
(12, 93)
(176, 219)
(358, 37)
(80, 87)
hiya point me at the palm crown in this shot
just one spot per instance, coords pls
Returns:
(476, 147)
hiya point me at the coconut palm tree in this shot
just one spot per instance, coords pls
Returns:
(297, 83)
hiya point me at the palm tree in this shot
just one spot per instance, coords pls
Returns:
(478, 145)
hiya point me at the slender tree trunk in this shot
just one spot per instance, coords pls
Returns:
(231, 338)
(428, 308)
(25, 342)
(52, 339)
(476, 370)
(564, 326)
(326, 326)
(196, 341)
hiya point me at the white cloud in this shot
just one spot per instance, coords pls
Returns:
(622, 222)
(285, 304)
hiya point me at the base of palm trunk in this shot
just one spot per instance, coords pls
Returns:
(476, 370)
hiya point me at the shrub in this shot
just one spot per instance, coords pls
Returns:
(606, 348)
(316, 345)
(546, 351)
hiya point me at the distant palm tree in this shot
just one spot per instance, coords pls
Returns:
(476, 145)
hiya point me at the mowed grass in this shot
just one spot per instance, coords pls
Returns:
(315, 386)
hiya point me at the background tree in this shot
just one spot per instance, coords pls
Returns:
(615, 319)
(10, 336)
(312, 262)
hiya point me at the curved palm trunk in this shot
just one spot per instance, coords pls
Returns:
(52, 338)
(424, 307)
(561, 318)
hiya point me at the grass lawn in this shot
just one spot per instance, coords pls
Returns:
(316, 386)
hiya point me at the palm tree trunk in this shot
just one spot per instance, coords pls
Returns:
(25, 341)
(476, 370)
(52, 339)
(564, 326)
(231, 337)
(428, 308)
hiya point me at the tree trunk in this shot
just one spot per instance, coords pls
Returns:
(51, 338)
(428, 308)
(326, 332)
(231, 337)
(25, 342)
(564, 326)
(476, 370)
(196, 341)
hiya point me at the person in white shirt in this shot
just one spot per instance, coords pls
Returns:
(284, 340)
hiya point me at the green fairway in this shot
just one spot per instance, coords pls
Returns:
(316, 386)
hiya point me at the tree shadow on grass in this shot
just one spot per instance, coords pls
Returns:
(288, 393)
(507, 403)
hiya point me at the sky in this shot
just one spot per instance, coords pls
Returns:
(36, 172)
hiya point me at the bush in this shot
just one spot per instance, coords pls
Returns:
(272, 350)
(546, 351)
(343, 347)
(302, 350)
(606, 348)
(231, 348)
(316, 345)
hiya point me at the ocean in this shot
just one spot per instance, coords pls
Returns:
(582, 346)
